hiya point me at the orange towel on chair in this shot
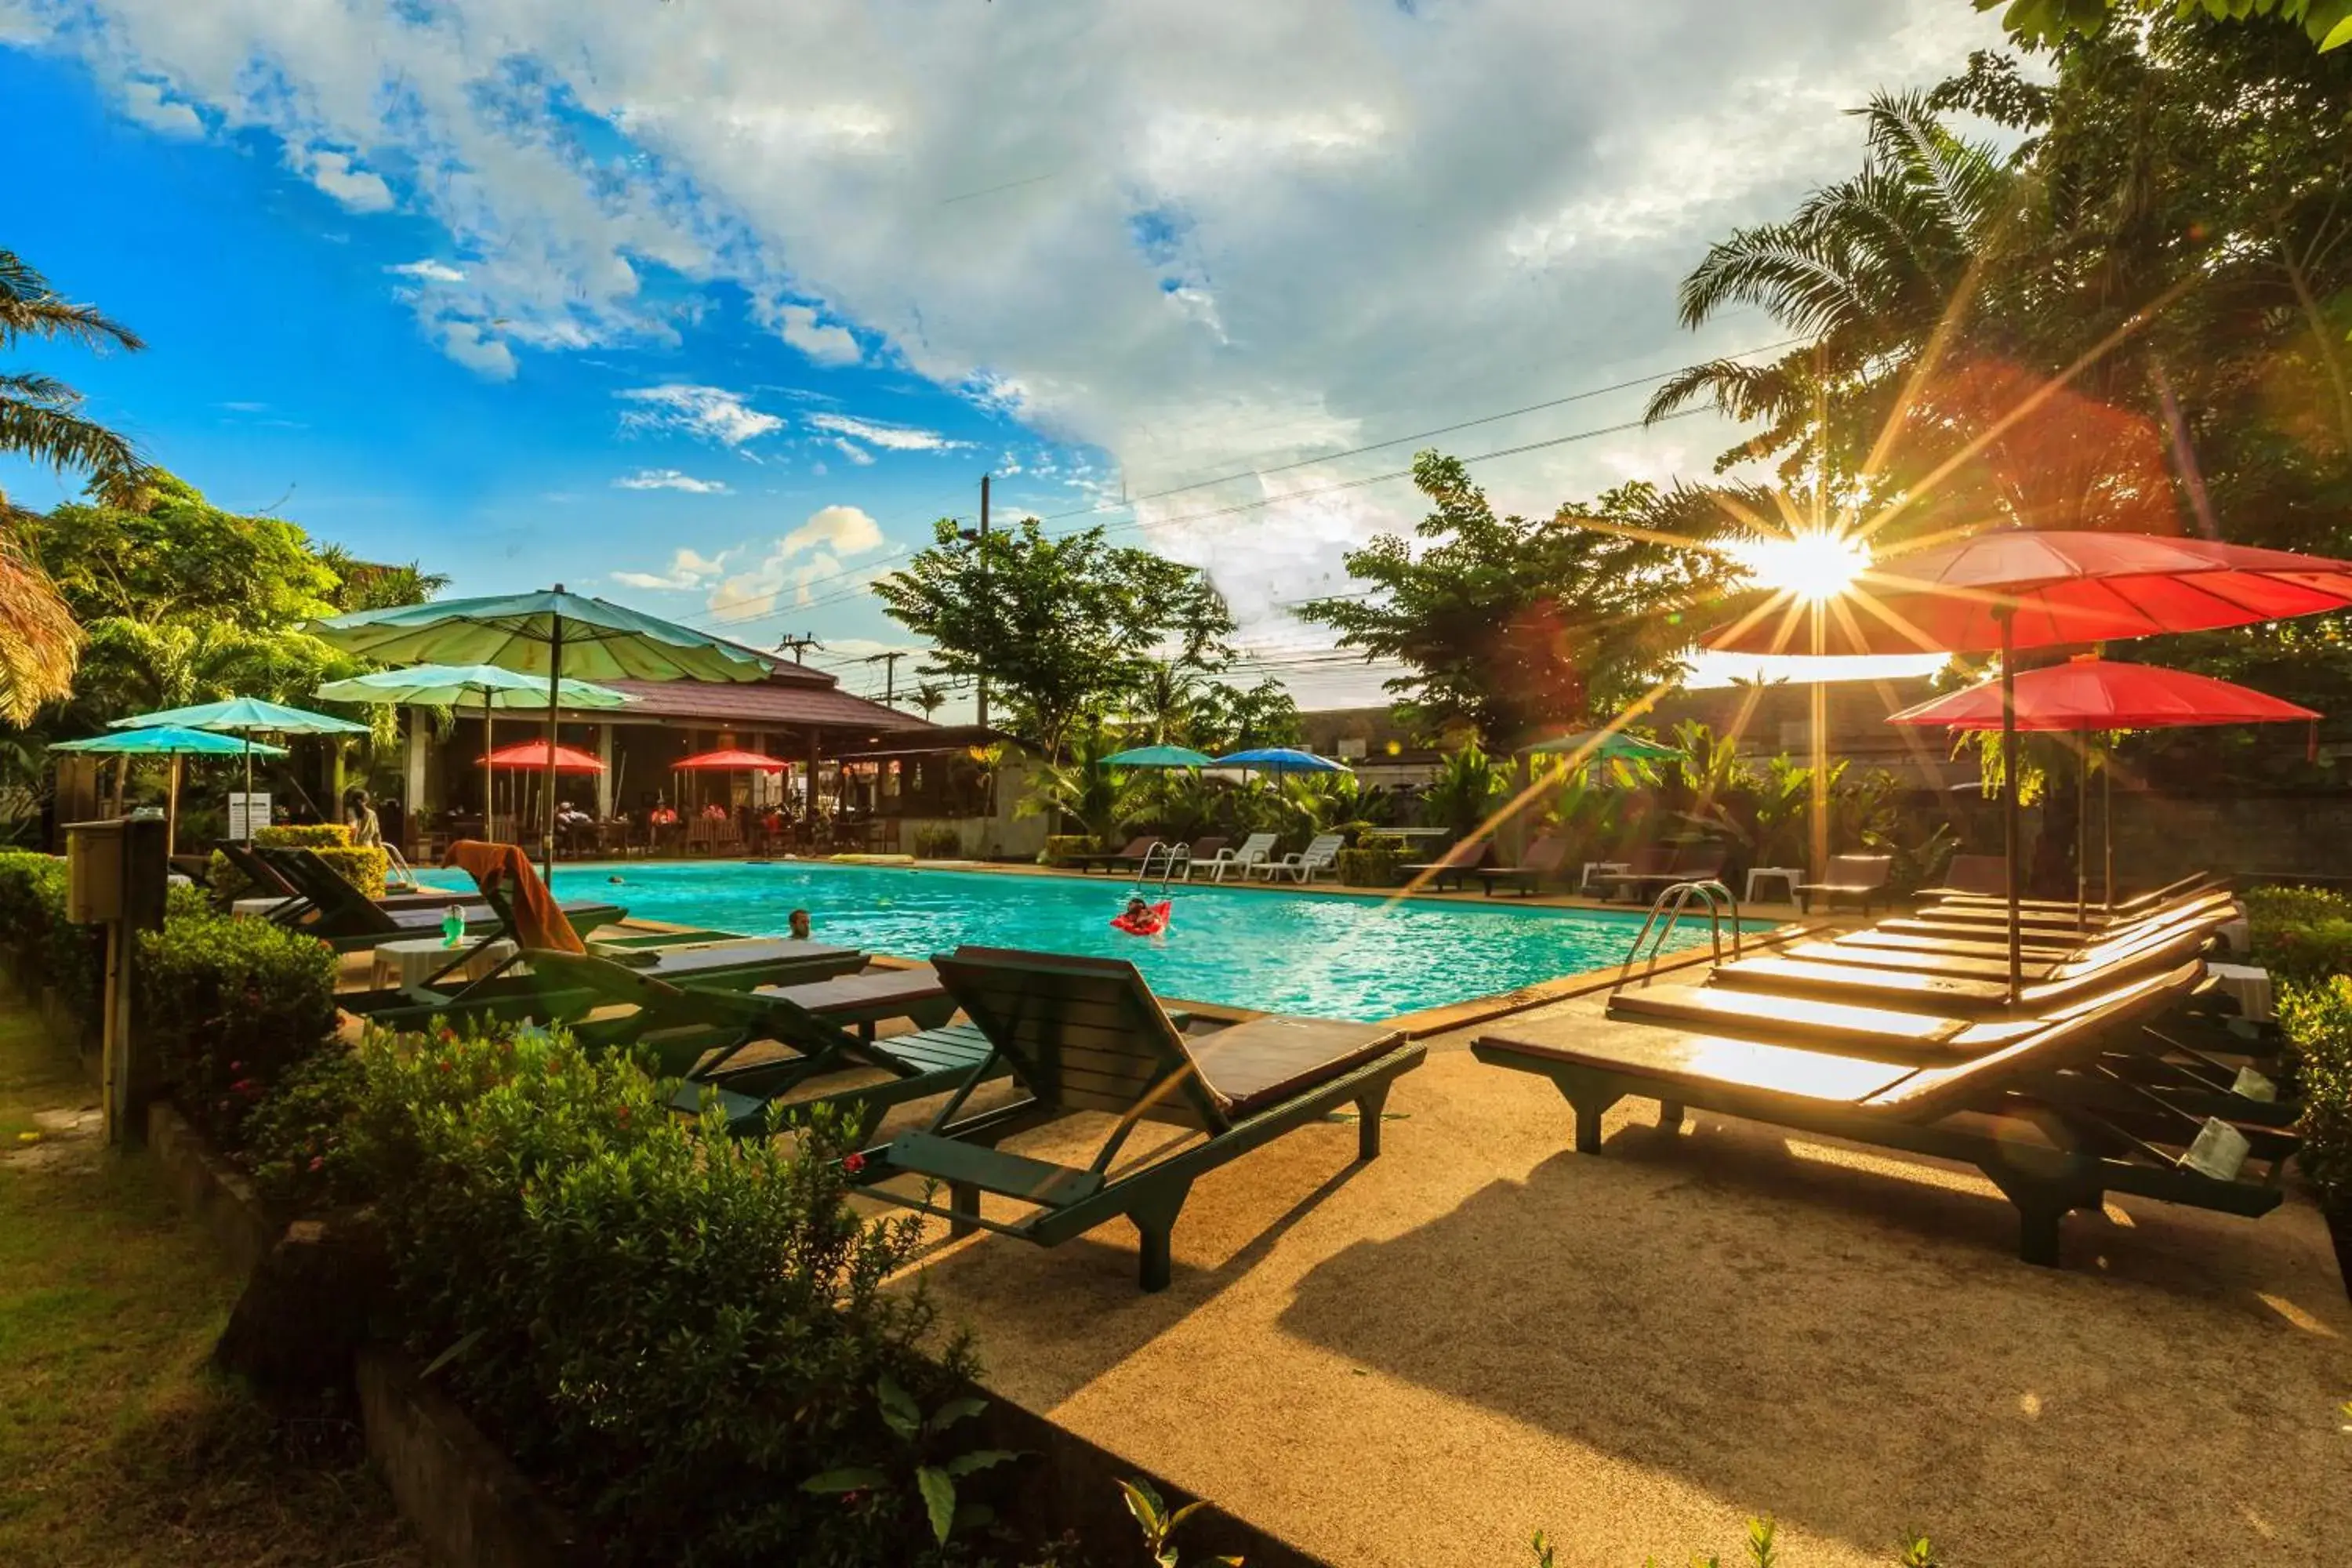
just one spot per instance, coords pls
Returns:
(539, 919)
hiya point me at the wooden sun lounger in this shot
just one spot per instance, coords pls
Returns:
(1971, 954)
(2122, 909)
(1541, 860)
(2080, 1105)
(697, 1034)
(298, 871)
(1088, 1035)
(2053, 987)
(1457, 862)
(738, 964)
(1859, 878)
(1132, 856)
(340, 916)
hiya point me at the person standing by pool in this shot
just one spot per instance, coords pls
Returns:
(360, 818)
(799, 920)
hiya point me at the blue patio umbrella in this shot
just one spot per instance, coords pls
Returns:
(1281, 760)
(245, 716)
(171, 740)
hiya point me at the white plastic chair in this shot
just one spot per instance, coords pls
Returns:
(1322, 854)
(1253, 852)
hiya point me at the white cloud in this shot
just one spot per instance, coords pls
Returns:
(428, 271)
(1245, 235)
(687, 570)
(823, 342)
(844, 529)
(361, 190)
(712, 413)
(146, 103)
(855, 452)
(890, 437)
(813, 551)
(471, 344)
(669, 479)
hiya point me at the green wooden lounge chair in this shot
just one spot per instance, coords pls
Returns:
(1988, 957)
(1857, 879)
(1088, 1035)
(2091, 1101)
(697, 1035)
(1459, 861)
(1539, 863)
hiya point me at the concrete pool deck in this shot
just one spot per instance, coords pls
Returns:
(1423, 1360)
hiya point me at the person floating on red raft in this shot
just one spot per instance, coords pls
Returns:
(1141, 919)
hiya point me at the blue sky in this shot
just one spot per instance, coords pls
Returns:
(716, 305)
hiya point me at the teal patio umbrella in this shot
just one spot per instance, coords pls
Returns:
(167, 740)
(545, 633)
(1159, 757)
(452, 684)
(245, 716)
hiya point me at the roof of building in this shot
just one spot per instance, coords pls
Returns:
(923, 739)
(795, 697)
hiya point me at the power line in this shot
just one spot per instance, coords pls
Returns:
(1128, 503)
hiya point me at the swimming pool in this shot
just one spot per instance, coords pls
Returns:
(1291, 953)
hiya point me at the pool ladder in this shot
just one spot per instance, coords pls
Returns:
(1171, 859)
(1667, 912)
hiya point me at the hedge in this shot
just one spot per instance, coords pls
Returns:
(362, 867)
(230, 1007)
(2317, 1020)
(2300, 933)
(47, 950)
(673, 1328)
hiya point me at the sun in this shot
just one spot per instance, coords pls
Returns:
(1814, 563)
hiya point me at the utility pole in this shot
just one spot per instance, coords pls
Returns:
(796, 645)
(889, 663)
(982, 703)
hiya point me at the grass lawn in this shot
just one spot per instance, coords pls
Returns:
(117, 1444)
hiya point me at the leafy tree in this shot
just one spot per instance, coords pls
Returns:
(2329, 22)
(40, 417)
(1062, 626)
(1099, 798)
(374, 585)
(1230, 719)
(1165, 706)
(1513, 623)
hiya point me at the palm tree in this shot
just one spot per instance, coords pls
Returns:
(37, 413)
(39, 641)
(930, 697)
(1164, 704)
(1866, 272)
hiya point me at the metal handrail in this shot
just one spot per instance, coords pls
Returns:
(1671, 903)
(398, 874)
(1173, 858)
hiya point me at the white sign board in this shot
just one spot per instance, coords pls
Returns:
(248, 812)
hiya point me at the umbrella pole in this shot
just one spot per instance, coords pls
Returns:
(489, 775)
(2008, 827)
(172, 811)
(2108, 828)
(2082, 828)
(248, 787)
(547, 807)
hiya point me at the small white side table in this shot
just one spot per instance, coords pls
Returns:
(2250, 985)
(1584, 882)
(414, 959)
(1788, 875)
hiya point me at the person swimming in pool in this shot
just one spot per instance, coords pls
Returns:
(799, 921)
(1141, 918)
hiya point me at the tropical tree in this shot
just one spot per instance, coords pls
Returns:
(1465, 792)
(930, 697)
(1514, 625)
(40, 642)
(1230, 719)
(39, 415)
(1098, 799)
(2329, 23)
(376, 586)
(1061, 627)
(1164, 704)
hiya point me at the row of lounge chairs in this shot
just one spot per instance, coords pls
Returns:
(2114, 1070)
(1253, 856)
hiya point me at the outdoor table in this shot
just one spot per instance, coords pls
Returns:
(414, 959)
(1790, 875)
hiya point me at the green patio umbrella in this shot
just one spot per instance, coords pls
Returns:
(245, 716)
(451, 685)
(1159, 757)
(545, 633)
(167, 740)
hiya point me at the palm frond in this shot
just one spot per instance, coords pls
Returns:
(38, 421)
(30, 308)
(39, 642)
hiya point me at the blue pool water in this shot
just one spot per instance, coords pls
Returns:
(1292, 952)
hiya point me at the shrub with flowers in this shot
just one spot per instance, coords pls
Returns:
(671, 1327)
(230, 1005)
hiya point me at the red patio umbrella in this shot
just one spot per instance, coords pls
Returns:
(2090, 693)
(730, 762)
(534, 754)
(2012, 588)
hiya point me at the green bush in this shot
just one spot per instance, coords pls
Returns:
(1061, 848)
(938, 843)
(674, 1328)
(362, 867)
(1373, 863)
(2300, 933)
(48, 948)
(230, 1005)
(2317, 1020)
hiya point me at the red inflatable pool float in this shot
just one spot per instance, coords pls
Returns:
(1150, 921)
